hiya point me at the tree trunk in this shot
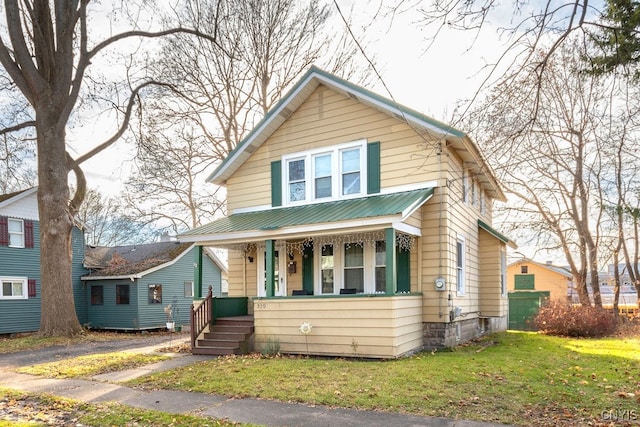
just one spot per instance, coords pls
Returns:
(58, 315)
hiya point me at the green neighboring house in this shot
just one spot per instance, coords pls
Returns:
(20, 293)
(131, 287)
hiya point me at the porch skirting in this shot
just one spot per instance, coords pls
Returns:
(371, 326)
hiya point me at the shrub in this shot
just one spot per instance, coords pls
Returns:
(558, 318)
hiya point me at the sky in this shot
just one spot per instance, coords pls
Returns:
(431, 77)
(429, 81)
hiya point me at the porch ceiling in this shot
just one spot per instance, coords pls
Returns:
(363, 211)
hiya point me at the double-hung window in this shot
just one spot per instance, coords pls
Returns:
(354, 267)
(460, 285)
(322, 180)
(350, 171)
(16, 233)
(325, 174)
(381, 262)
(296, 180)
(351, 265)
(13, 288)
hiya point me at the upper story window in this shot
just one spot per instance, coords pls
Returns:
(16, 233)
(324, 174)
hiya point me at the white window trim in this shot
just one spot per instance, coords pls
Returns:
(336, 172)
(338, 268)
(461, 270)
(25, 288)
(21, 233)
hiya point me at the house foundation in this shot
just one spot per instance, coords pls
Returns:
(443, 335)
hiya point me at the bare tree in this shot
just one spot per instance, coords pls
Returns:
(107, 224)
(46, 49)
(552, 158)
(216, 98)
(170, 180)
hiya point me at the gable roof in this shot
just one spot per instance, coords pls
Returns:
(554, 268)
(315, 77)
(133, 261)
(6, 199)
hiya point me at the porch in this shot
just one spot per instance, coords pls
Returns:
(370, 326)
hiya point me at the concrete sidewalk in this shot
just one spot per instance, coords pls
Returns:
(106, 387)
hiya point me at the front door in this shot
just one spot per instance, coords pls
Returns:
(280, 289)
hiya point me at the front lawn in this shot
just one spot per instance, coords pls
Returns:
(22, 409)
(513, 377)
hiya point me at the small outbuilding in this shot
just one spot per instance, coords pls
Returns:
(146, 286)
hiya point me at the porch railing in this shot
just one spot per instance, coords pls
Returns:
(201, 316)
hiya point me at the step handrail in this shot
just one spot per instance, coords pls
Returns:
(201, 316)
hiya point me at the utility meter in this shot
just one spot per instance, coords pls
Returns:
(440, 284)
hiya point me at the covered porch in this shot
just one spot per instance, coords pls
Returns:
(344, 268)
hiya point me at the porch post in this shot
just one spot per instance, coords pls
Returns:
(390, 269)
(197, 277)
(270, 257)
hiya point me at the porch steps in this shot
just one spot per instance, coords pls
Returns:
(230, 335)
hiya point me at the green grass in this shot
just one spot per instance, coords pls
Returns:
(92, 364)
(40, 409)
(497, 379)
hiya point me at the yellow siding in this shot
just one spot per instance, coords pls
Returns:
(327, 118)
(544, 279)
(492, 302)
(380, 327)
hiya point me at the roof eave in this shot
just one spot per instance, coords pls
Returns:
(300, 232)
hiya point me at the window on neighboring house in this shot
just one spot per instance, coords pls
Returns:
(327, 264)
(460, 285)
(325, 174)
(122, 294)
(524, 269)
(97, 295)
(155, 294)
(354, 266)
(14, 288)
(188, 289)
(16, 233)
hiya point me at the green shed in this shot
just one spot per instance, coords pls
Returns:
(523, 308)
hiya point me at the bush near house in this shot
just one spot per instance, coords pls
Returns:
(563, 319)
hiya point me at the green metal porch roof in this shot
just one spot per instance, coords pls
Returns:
(339, 210)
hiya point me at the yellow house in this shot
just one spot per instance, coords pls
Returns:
(528, 275)
(363, 220)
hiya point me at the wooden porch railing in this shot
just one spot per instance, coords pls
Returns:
(201, 316)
